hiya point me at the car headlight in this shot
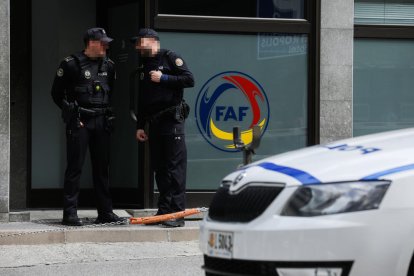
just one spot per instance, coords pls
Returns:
(334, 198)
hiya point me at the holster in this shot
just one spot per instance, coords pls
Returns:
(109, 120)
(182, 111)
(69, 111)
(185, 109)
(105, 111)
(179, 112)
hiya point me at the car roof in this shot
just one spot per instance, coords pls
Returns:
(384, 155)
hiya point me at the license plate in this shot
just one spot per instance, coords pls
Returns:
(220, 244)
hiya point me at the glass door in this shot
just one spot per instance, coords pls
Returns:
(123, 22)
(48, 151)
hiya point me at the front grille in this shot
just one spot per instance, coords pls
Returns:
(218, 266)
(244, 206)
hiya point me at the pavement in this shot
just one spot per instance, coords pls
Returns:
(103, 259)
(35, 227)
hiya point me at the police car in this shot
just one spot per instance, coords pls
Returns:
(344, 208)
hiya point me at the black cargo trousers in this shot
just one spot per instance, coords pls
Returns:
(95, 135)
(168, 155)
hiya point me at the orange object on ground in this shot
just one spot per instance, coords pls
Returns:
(159, 218)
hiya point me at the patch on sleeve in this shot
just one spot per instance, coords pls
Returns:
(59, 72)
(179, 62)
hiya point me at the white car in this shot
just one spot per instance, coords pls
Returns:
(345, 208)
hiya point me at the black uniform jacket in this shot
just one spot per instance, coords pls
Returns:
(154, 97)
(76, 80)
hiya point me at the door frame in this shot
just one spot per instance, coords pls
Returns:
(132, 198)
(149, 17)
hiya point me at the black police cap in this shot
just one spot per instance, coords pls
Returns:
(96, 34)
(145, 32)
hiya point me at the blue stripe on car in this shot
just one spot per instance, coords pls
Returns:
(387, 172)
(301, 176)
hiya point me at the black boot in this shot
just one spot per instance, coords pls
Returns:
(156, 223)
(72, 220)
(174, 222)
(108, 218)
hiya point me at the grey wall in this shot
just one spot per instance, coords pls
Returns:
(336, 69)
(4, 109)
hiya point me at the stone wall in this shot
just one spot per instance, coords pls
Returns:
(336, 69)
(4, 109)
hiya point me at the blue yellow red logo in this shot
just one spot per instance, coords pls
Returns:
(227, 100)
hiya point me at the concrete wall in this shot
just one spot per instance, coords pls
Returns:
(4, 109)
(336, 69)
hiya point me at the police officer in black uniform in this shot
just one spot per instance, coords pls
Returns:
(82, 89)
(162, 110)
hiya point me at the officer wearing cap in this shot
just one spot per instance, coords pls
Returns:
(163, 76)
(82, 88)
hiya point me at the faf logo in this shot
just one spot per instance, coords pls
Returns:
(227, 100)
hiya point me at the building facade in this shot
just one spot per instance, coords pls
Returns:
(4, 110)
(306, 72)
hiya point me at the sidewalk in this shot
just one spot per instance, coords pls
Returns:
(45, 227)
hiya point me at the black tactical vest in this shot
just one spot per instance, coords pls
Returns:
(157, 97)
(92, 86)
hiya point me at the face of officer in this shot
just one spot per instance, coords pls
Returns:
(96, 49)
(148, 46)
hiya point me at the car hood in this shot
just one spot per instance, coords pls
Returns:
(379, 156)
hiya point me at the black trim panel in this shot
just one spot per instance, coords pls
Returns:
(314, 13)
(230, 24)
(383, 31)
(20, 102)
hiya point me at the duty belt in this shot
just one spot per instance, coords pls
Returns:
(93, 111)
(158, 115)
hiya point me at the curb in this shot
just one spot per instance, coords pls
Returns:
(112, 234)
(44, 227)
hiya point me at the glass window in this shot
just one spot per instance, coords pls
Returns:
(241, 80)
(48, 131)
(235, 8)
(400, 12)
(383, 85)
